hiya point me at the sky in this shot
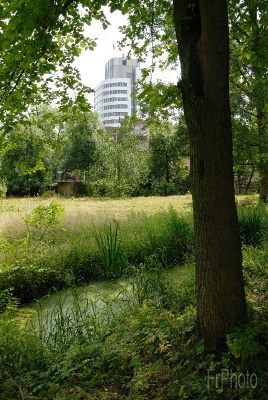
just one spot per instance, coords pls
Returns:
(91, 64)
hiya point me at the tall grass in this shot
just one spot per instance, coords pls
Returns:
(33, 264)
(82, 211)
(91, 249)
(109, 248)
(73, 320)
(140, 341)
(253, 223)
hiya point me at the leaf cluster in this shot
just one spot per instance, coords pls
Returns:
(38, 44)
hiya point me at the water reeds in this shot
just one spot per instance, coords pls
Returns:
(109, 246)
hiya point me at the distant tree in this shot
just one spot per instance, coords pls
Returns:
(249, 76)
(25, 165)
(123, 161)
(166, 149)
(80, 151)
(31, 152)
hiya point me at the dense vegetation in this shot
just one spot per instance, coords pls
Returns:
(106, 164)
(139, 340)
(39, 44)
(45, 248)
(146, 343)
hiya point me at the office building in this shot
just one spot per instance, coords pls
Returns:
(113, 96)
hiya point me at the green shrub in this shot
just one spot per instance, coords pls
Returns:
(253, 224)
(28, 282)
(104, 188)
(86, 189)
(244, 344)
(84, 264)
(177, 186)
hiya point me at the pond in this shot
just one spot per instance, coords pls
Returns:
(91, 308)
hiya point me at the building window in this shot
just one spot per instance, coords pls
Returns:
(111, 121)
(112, 106)
(111, 99)
(114, 114)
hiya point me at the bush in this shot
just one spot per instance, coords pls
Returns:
(104, 188)
(86, 189)
(84, 265)
(253, 224)
(179, 186)
(179, 183)
(3, 188)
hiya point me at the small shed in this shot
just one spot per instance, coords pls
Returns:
(68, 188)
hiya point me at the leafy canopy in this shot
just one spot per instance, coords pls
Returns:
(40, 40)
(38, 43)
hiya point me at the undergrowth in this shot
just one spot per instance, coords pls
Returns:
(253, 222)
(140, 342)
(41, 259)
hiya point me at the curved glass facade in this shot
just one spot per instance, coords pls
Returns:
(114, 93)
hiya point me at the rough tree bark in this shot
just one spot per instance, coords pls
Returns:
(203, 44)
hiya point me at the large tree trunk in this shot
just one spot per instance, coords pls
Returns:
(203, 42)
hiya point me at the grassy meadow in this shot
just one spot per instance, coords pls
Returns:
(78, 210)
(48, 244)
(132, 335)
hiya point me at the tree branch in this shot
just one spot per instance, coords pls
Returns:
(241, 88)
(68, 3)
